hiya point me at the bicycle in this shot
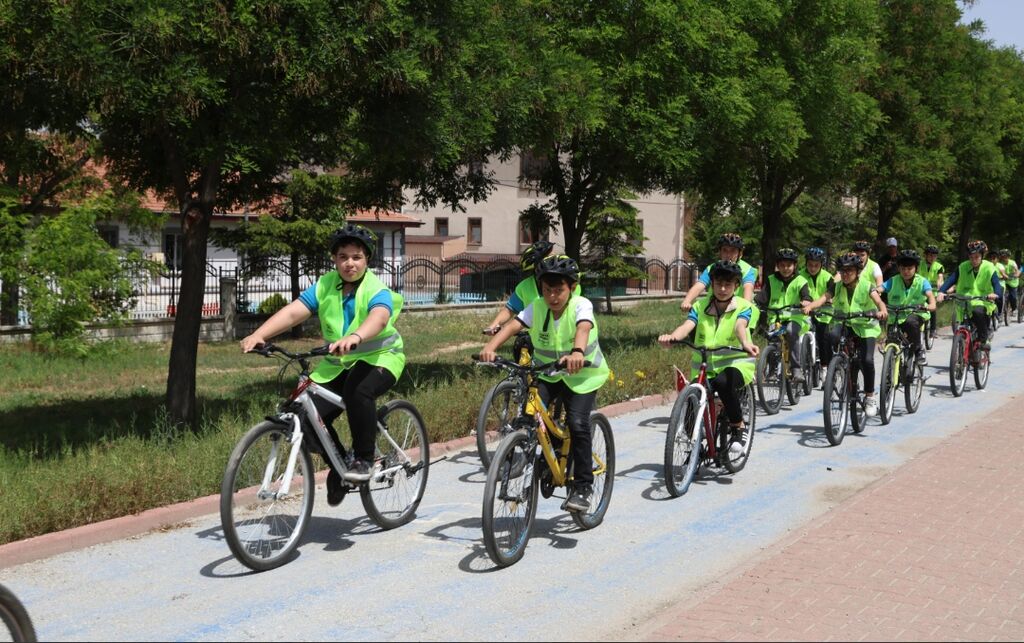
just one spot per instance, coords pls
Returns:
(774, 370)
(688, 442)
(843, 400)
(534, 458)
(15, 618)
(267, 493)
(900, 367)
(966, 351)
(502, 403)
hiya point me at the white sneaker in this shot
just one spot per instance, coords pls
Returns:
(871, 407)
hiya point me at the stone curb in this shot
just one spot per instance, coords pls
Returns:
(171, 516)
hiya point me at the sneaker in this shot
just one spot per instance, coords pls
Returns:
(336, 491)
(798, 375)
(871, 407)
(359, 471)
(921, 358)
(738, 442)
(580, 499)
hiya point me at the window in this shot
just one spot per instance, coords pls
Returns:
(531, 166)
(476, 232)
(525, 238)
(476, 167)
(173, 246)
(441, 227)
(109, 233)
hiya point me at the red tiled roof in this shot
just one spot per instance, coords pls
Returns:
(419, 238)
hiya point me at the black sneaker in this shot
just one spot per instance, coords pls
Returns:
(798, 375)
(359, 471)
(580, 498)
(336, 491)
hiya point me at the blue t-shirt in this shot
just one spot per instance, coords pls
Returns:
(749, 278)
(744, 315)
(887, 286)
(348, 303)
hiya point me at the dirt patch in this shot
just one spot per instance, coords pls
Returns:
(457, 347)
(838, 493)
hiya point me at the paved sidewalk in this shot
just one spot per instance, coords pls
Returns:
(932, 551)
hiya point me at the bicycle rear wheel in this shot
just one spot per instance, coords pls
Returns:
(262, 527)
(981, 369)
(858, 414)
(15, 618)
(913, 387)
(401, 463)
(510, 499)
(683, 442)
(887, 385)
(835, 400)
(793, 390)
(809, 364)
(957, 366)
(603, 448)
(770, 379)
(501, 406)
(734, 461)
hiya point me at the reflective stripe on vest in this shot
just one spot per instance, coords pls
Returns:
(782, 294)
(860, 302)
(978, 286)
(902, 295)
(716, 331)
(552, 344)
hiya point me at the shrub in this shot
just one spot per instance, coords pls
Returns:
(272, 304)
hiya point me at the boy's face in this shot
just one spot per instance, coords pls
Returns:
(975, 258)
(813, 267)
(908, 272)
(786, 268)
(930, 257)
(728, 253)
(350, 260)
(556, 296)
(863, 256)
(848, 275)
(724, 289)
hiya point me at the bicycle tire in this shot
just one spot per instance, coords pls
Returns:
(929, 340)
(858, 413)
(736, 464)
(808, 363)
(268, 542)
(770, 379)
(391, 499)
(957, 366)
(683, 441)
(507, 395)
(887, 385)
(1006, 307)
(1020, 305)
(912, 389)
(835, 409)
(15, 617)
(981, 369)
(794, 391)
(515, 458)
(603, 481)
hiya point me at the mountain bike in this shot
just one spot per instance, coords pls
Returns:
(899, 366)
(966, 351)
(15, 618)
(502, 403)
(843, 400)
(1005, 307)
(266, 496)
(536, 458)
(774, 370)
(698, 431)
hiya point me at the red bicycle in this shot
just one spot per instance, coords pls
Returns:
(700, 431)
(967, 352)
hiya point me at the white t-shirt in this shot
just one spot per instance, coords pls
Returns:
(584, 312)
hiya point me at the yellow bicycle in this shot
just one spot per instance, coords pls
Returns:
(535, 458)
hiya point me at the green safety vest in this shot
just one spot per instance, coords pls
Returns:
(867, 273)
(714, 332)
(383, 350)
(818, 285)
(746, 268)
(781, 294)
(550, 344)
(861, 302)
(980, 286)
(931, 272)
(902, 295)
(1012, 267)
(527, 290)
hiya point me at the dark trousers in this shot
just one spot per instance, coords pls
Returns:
(912, 327)
(982, 323)
(359, 387)
(824, 342)
(792, 335)
(578, 407)
(933, 321)
(1012, 296)
(865, 354)
(727, 385)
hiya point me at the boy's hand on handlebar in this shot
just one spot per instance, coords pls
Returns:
(251, 343)
(882, 314)
(344, 345)
(666, 340)
(992, 296)
(488, 355)
(572, 362)
(752, 350)
(685, 305)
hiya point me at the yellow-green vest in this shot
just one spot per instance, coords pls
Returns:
(913, 295)
(867, 273)
(1011, 267)
(979, 286)
(383, 350)
(931, 272)
(781, 295)
(714, 332)
(861, 302)
(755, 312)
(818, 285)
(550, 345)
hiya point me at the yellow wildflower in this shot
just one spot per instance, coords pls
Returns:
(611, 375)
(640, 374)
(620, 383)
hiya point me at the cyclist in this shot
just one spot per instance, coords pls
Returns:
(526, 290)
(1012, 276)
(911, 289)
(849, 295)
(818, 280)
(888, 263)
(785, 288)
(562, 327)
(730, 248)
(993, 257)
(976, 277)
(933, 271)
(357, 317)
(870, 271)
(723, 320)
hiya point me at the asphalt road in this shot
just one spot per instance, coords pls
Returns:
(432, 579)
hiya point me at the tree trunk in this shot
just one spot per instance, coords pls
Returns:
(608, 296)
(9, 303)
(887, 209)
(293, 274)
(966, 229)
(181, 374)
(771, 236)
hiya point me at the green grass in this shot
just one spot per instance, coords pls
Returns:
(86, 440)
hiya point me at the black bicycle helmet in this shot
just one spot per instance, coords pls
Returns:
(908, 257)
(730, 240)
(932, 250)
(787, 254)
(849, 260)
(1005, 252)
(355, 232)
(537, 251)
(815, 254)
(726, 270)
(559, 265)
(976, 246)
(861, 246)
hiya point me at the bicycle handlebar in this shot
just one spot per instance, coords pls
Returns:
(538, 369)
(899, 309)
(720, 349)
(268, 350)
(782, 309)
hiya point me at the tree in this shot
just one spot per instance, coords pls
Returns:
(539, 220)
(613, 235)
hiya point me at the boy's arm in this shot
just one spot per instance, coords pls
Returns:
(678, 334)
(490, 351)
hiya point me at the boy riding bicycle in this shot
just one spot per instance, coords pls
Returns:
(933, 271)
(563, 328)
(911, 289)
(818, 280)
(849, 295)
(976, 277)
(357, 318)
(526, 290)
(723, 319)
(870, 270)
(1012, 277)
(784, 288)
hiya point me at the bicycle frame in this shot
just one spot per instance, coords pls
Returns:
(708, 412)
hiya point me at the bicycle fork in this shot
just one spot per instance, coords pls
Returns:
(268, 473)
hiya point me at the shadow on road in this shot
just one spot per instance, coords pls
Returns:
(551, 532)
(470, 460)
(655, 422)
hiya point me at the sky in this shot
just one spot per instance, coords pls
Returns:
(1004, 21)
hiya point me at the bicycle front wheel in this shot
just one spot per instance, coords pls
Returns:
(683, 442)
(809, 364)
(887, 385)
(501, 406)
(603, 449)
(736, 459)
(15, 618)
(913, 387)
(510, 499)
(263, 524)
(400, 465)
(957, 366)
(835, 400)
(770, 379)
(858, 412)
(981, 369)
